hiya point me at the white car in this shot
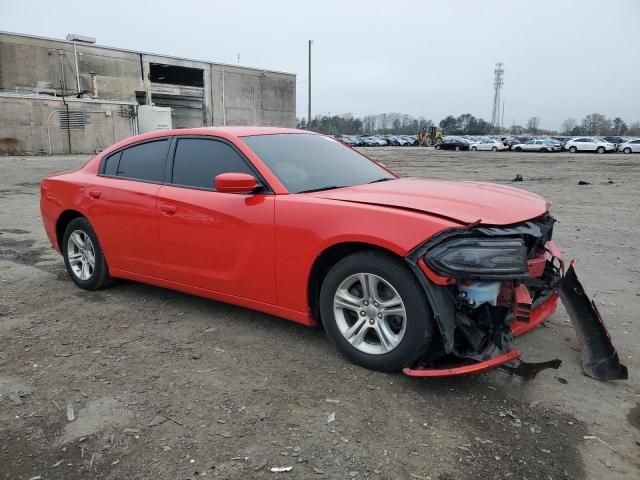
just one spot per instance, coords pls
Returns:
(631, 146)
(534, 146)
(589, 144)
(487, 145)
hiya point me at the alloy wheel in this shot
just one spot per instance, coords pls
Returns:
(370, 313)
(81, 255)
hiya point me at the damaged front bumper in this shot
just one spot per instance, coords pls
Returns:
(480, 310)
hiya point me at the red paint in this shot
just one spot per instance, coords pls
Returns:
(235, 183)
(465, 369)
(537, 265)
(538, 315)
(521, 304)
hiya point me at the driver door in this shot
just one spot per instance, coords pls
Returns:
(222, 242)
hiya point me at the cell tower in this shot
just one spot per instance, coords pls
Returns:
(498, 82)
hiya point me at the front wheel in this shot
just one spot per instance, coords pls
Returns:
(626, 150)
(375, 312)
(518, 149)
(437, 147)
(83, 257)
(475, 149)
(600, 150)
(494, 149)
(573, 149)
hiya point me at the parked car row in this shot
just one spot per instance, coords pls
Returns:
(378, 140)
(496, 143)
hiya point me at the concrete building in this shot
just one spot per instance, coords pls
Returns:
(103, 88)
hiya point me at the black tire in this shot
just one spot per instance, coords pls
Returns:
(494, 149)
(475, 149)
(600, 150)
(573, 149)
(419, 323)
(518, 149)
(99, 277)
(457, 148)
(437, 147)
(626, 150)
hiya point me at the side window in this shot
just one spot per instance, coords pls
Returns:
(197, 161)
(110, 166)
(144, 162)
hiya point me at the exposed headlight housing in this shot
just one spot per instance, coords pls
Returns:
(479, 258)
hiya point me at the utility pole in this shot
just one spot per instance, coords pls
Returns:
(502, 121)
(309, 87)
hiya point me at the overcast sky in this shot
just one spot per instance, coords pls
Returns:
(426, 58)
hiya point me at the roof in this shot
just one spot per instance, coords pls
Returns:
(142, 52)
(238, 131)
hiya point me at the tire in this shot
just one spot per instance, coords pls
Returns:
(457, 148)
(412, 333)
(626, 150)
(77, 233)
(475, 149)
(600, 150)
(437, 147)
(494, 149)
(518, 149)
(573, 149)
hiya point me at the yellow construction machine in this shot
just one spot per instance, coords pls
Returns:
(430, 137)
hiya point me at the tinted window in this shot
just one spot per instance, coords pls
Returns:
(635, 141)
(145, 161)
(312, 162)
(111, 164)
(197, 162)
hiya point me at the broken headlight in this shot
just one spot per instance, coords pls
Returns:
(482, 258)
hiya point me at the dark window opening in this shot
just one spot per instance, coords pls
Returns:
(174, 75)
(145, 161)
(198, 161)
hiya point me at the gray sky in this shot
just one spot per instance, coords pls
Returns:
(431, 58)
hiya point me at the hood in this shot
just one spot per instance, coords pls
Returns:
(465, 202)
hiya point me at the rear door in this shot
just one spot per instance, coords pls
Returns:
(222, 242)
(123, 206)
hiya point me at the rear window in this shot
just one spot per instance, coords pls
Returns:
(144, 162)
(111, 164)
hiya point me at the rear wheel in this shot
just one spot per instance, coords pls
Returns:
(494, 149)
(83, 257)
(600, 150)
(573, 149)
(518, 149)
(437, 146)
(457, 148)
(375, 311)
(475, 149)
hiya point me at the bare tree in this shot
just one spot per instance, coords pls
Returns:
(532, 124)
(619, 126)
(595, 124)
(568, 125)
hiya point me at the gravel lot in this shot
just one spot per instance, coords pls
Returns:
(165, 385)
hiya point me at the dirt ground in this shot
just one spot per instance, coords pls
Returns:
(164, 385)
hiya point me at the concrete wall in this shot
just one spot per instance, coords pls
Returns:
(31, 126)
(231, 95)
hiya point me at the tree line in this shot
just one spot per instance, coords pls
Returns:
(466, 124)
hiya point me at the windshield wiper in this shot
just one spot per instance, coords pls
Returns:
(320, 189)
(382, 180)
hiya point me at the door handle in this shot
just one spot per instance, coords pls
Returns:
(168, 209)
(95, 194)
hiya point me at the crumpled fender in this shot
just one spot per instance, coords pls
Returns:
(599, 356)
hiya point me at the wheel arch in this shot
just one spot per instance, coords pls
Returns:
(327, 259)
(63, 220)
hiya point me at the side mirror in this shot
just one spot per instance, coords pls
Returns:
(235, 183)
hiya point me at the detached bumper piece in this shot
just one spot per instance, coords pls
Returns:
(599, 356)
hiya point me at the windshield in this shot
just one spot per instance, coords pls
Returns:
(305, 162)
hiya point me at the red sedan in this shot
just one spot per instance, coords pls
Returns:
(433, 277)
